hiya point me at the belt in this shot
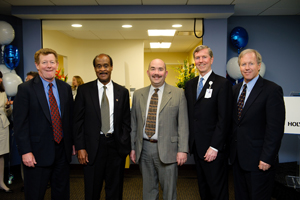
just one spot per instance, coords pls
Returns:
(150, 140)
(107, 135)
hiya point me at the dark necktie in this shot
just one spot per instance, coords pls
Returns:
(151, 118)
(55, 117)
(105, 117)
(241, 101)
(200, 86)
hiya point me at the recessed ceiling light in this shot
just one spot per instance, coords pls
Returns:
(76, 25)
(152, 32)
(126, 26)
(162, 45)
(176, 25)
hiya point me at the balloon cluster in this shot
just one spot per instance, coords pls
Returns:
(239, 39)
(10, 59)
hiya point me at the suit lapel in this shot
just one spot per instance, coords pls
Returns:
(235, 99)
(95, 99)
(40, 93)
(116, 99)
(62, 97)
(143, 102)
(258, 87)
(165, 97)
(206, 86)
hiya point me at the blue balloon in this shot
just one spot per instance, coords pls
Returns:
(11, 56)
(239, 37)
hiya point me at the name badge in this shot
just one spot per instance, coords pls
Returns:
(208, 93)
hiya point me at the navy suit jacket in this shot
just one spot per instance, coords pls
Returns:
(257, 135)
(209, 118)
(32, 120)
(87, 119)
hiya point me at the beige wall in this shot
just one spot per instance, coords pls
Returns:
(172, 60)
(127, 55)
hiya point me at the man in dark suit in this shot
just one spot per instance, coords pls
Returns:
(209, 100)
(160, 136)
(102, 131)
(258, 127)
(43, 135)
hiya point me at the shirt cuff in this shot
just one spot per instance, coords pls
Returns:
(213, 149)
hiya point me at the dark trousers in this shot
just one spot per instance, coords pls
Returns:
(253, 185)
(212, 177)
(37, 178)
(109, 167)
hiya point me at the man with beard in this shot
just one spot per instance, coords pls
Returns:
(159, 136)
(102, 131)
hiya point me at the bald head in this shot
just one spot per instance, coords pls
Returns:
(157, 72)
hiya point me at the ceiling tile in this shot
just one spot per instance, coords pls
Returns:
(119, 2)
(164, 2)
(74, 2)
(286, 7)
(30, 3)
(108, 35)
(209, 2)
(84, 35)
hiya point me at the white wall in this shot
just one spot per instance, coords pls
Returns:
(127, 54)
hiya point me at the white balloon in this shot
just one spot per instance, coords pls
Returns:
(7, 33)
(11, 82)
(233, 68)
(5, 69)
(262, 69)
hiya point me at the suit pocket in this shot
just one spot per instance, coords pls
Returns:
(174, 139)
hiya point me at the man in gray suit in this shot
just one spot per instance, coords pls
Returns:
(159, 136)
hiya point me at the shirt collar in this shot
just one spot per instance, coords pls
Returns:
(251, 83)
(46, 83)
(205, 77)
(100, 85)
(161, 88)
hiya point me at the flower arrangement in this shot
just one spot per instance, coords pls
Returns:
(59, 74)
(186, 72)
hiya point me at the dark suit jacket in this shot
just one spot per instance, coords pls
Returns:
(87, 119)
(32, 120)
(257, 136)
(209, 118)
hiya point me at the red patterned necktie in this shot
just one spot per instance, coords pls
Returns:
(55, 117)
(241, 101)
(151, 118)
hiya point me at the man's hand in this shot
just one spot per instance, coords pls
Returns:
(263, 166)
(132, 156)
(74, 152)
(181, 158)
(82, 156)
(29, 159)
(210, 155)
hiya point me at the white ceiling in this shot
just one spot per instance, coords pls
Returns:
(105, 29)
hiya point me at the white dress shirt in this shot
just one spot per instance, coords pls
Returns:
(110, 97)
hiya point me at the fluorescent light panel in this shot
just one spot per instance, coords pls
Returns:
(76, 25)
(126, 26)
(162, 45)
(153, 32)
(176, 25)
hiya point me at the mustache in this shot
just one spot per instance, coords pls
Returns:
(156, 75)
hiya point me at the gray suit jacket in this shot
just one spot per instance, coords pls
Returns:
(173, 131)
